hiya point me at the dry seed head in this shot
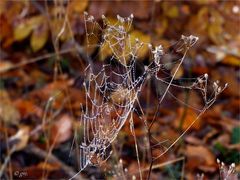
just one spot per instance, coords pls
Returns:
(150, 46)
(233, 165)
(120, 19)
(206, 75)
(189, 41)
(215, 86)
(157, 52)
(200, 80)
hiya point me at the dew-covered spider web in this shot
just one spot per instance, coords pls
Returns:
(112, 92)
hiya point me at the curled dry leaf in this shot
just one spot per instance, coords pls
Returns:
(5, 66)
(187, 116)
(8, 113)
(27, 108)
(53, 90)
(20, 139)
(200, 157)
(61, 130)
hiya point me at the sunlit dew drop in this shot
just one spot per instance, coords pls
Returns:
(235, 9)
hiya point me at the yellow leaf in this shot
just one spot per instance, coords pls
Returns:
(206, 2)
(231, 60)
(161, 26)
(105, 51)
(22, 31)
(215, 33)
(78, 6)
(59, 30)
(203, 13)
(39, 37)
(215, 29)
(24, 28)
(179, 72)
(172, 12)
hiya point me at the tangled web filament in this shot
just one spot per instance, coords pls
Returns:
(111, 93)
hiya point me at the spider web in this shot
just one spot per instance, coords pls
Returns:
(112, 93)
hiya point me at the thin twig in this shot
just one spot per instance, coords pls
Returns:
(33, 60)
(51, 158)
(7, 159)
(161, 165)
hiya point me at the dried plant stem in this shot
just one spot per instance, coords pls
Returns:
(7, 159)
(51, 158)
(136, 146)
